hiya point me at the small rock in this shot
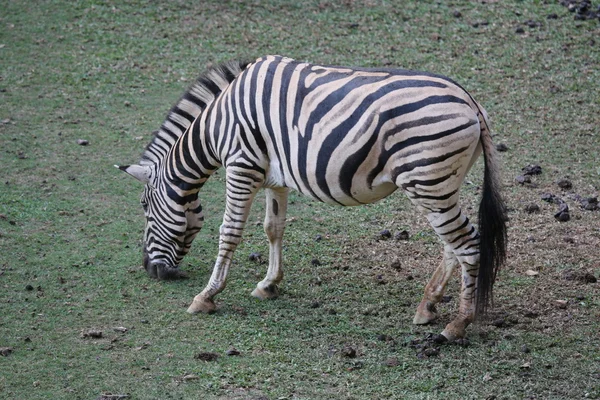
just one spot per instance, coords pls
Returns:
(348, 352)
(590, 204)
(391, 362)
(256, 257)
(385, 234)
(520, 30)
(431, 351)
(463, 342)
(315, 262)
(532, 208)
(206, 356)
(5, 351)
(396, 265)
(563, 213)
(190, 377)
(82, 142)
(589, 278)
(565, 184)
(562, 304)
(525, 349)
(232, 352)
(501, 147)
(92, 334)
(550, 198)
(498, 322)
(29, 288)
(384, 338)
(315, 304)
(318, 238)
(120, 329)
(552, 16)
(532, 169)
(402, 235)
(531, 272)
(523, 179)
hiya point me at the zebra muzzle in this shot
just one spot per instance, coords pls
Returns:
(162, 271)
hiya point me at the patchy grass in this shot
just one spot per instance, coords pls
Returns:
(70, 225)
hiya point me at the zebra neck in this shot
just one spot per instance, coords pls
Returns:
(189, 108)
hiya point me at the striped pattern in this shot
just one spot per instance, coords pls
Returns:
(343, 136)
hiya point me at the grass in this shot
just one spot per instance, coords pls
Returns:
(70, 225)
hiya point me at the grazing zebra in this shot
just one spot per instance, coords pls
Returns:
(346, 136)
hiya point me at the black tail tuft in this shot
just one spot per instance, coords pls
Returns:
(492, 231)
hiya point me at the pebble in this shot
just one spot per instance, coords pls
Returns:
(562, 304)
(402, 235)
(564, 184)
(501, 147)
(385, 234)
(532, 169)
(532, 208)
(563, 213)
(349, 352)
(391, 362)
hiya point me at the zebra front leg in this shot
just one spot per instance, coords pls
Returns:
(435, 288)
(241, 189)
(276, 202)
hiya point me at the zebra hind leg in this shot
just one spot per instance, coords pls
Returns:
(434, 290)
(276, 201)
(460, 237)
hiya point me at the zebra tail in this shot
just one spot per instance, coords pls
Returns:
(492, 221)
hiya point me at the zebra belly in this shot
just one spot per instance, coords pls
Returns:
(362, 192)
(360, 195)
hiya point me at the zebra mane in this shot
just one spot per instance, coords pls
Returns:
(195, 100)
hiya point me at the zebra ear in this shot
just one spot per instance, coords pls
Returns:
(139, 172)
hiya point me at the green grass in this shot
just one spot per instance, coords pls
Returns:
(71, 225)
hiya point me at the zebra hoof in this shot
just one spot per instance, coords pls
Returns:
(456, 329)
(425, 314)
(453, 335)
(268, 292)
(199, 305)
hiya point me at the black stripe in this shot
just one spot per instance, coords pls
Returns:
(424, 162)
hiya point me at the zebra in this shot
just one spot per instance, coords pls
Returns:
(340, 135)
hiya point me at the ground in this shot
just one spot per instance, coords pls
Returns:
(82, 86)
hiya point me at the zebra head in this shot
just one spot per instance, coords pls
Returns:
(172, 222)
